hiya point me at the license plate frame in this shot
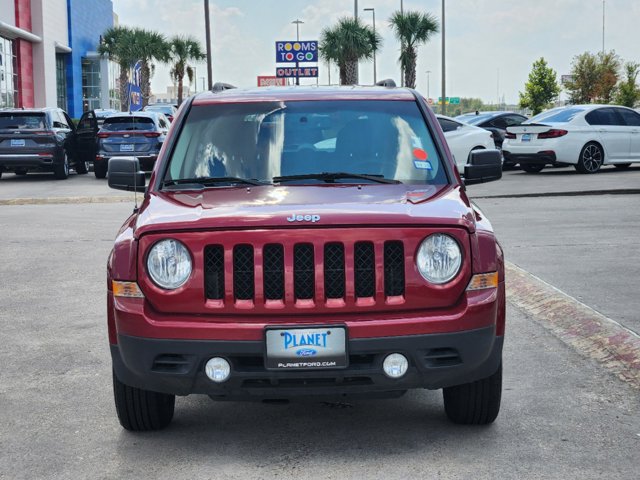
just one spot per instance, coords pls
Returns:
(18, 142)
(127, 147)
(526, 137)
(308, 347)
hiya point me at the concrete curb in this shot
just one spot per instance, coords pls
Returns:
(576, 324)
(619, 191)
(65, 200)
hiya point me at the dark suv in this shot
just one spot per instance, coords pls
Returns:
(42, 139)
(305, 242)
(125, 134)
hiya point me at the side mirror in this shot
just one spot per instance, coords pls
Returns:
(484, 166)
(124, 174)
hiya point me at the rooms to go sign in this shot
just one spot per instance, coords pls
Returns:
(292, 51)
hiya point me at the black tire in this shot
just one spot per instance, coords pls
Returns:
(81, 167)
(61, 171)
(622, 166)
(141, 410)
(100, 170)
(475, 403)
(21, 171)
(591, 158)
(531, 167)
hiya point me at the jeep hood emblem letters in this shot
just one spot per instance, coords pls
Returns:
(303, 218)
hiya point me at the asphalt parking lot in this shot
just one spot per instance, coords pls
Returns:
(564, 414)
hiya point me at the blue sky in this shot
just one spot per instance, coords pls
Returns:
(491, 44)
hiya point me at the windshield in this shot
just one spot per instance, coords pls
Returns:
(279, 139)
(473, 119)
(22, 121)
(557, 115)
(118, 124)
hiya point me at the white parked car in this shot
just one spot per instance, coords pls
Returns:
(585, 136)
(463, 138)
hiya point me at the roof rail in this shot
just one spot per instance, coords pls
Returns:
(221, 87)
(387, 82)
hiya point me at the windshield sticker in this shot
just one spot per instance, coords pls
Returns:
(416, 142)
(420, 154)
(422, 165)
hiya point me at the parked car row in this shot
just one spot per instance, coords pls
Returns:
(46, 140)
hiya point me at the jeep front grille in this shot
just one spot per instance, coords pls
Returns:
(308, 272)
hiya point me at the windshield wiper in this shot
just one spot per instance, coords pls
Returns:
(211, 181)
(331, 177)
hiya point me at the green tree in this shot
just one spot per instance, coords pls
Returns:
(594, 77)
(412, 29)
(628, 91)
(116, 45)
(346, 43)
(184, 50)
(542, 89)
(148, 47)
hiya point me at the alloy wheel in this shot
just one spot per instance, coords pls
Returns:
(592, 158)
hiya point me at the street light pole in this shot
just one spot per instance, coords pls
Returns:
(355, 9)
(401, 47)
(428, 82)
(375, 73)
(297, 22)
(603, 10)
(208, 35)
(444, 73)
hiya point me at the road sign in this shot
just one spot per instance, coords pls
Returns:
(270, 81)
(449, 100)
(564, 79)
(293, 72)
(293, 51)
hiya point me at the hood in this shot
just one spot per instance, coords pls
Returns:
(315, 206)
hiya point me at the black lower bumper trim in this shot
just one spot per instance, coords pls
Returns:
(435, 361)
(540, 158)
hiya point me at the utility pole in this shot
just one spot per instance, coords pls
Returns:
(355, 9)
(603, 10)
(375, 73)
(297, 22)
(428, 72)
(208, 33)
(444, 72)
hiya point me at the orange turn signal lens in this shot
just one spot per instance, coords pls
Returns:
(483, 280)
(126, 289)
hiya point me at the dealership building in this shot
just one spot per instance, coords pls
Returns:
(48, 55)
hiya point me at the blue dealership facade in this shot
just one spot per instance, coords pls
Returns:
(90, 82)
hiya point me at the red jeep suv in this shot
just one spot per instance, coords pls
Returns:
(305, 242)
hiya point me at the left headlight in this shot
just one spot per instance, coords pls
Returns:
(169, 264)
(439, 258)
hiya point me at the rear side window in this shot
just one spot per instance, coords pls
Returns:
(22, 121)
(631, 118)
(448, 125)
(119, 124)
(604, 116)
(263, 140)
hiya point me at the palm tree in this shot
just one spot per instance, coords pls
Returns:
(116, 45)
(184, 50)
(412, 29)
(148, 47)
(346, 43)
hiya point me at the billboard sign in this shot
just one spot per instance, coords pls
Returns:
(270, 81)
(299, 72)
(297, 51)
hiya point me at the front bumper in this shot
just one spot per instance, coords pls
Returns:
(436, 361)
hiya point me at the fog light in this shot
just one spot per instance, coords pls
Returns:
(395, 365)
(218, 369)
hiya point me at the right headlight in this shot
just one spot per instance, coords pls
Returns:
(169, 264)
(439, 258)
